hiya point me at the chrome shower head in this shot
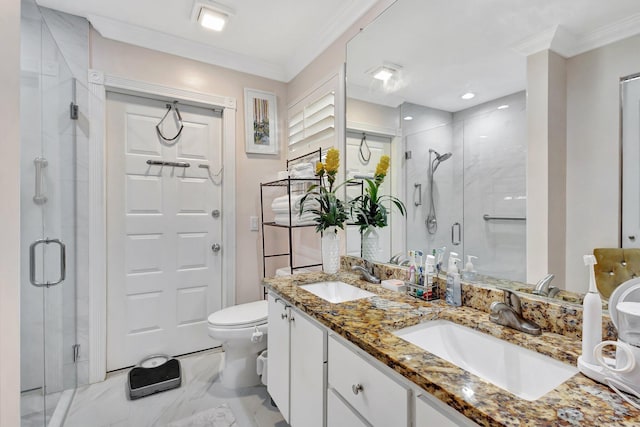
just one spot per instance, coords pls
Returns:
(439, 159)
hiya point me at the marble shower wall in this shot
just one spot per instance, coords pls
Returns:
(485, 175)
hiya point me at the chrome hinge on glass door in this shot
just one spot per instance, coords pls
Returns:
(32, 262)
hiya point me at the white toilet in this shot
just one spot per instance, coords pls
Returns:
(242, 329)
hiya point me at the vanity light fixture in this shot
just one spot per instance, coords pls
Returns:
(211, 15)
(503, 107)
(384, 72)
(468, 95)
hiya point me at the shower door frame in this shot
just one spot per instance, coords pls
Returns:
(99, 84)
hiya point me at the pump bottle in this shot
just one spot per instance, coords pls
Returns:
(453, 294)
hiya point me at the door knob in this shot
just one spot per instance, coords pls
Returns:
(216, 247)
(632, 238)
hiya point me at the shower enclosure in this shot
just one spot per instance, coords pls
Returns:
(466, 183)
(50, 244)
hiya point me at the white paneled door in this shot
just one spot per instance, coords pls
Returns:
(362, 159)
(163, 229)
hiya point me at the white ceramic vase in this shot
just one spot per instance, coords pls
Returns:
(330, 251)
(370, 244)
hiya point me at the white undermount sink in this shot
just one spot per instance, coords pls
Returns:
(336, 292)
(523, 372)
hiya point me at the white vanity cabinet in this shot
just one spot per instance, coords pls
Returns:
(363, 388)
(297, 364)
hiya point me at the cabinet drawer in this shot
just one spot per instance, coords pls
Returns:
(379, 399)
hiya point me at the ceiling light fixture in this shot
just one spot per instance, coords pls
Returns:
(407, 118)
(503, 107)
(468, 95)
(384, 72)
(211, 15)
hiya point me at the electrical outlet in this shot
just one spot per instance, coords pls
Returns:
(253, 223)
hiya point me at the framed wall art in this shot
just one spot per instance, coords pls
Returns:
(260, 122)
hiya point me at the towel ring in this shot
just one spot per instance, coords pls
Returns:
(175, 107)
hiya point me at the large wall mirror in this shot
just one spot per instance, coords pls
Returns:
(441, 87)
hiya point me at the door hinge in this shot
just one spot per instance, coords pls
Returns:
(407, 155)
(76, 352)
(73, 111)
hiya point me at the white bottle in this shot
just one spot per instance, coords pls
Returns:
(430, 270)
(453, 294)
(591, 315)
(469, 273)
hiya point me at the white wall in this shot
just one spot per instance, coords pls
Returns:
(593, 152)
(546, 141)
(10, 214)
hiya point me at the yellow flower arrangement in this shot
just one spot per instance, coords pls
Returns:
(368, 208)
(330, 211)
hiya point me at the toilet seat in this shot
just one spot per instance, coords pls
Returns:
(240, 316)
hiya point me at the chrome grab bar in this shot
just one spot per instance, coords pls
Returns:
(419, 187)
(40, 163)
(164, 163)
(32, 262)
(486, 217)
(456, 224)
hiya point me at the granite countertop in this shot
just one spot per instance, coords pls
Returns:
(369, 324)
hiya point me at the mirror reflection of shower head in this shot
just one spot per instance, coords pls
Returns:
(439, 159)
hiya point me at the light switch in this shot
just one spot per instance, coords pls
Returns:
(253, 223)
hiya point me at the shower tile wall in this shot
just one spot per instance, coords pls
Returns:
(485, 175)
(495, 154)
(71, 35)
(46, 87)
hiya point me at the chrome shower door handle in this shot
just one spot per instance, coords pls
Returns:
(32, 263)
(419, 187)
(453, 227)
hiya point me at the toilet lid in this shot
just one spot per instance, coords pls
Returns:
(240, 316)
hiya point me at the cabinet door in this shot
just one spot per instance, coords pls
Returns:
(307, 371)
(278, 345)
(430, 412)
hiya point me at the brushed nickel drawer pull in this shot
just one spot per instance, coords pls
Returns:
(356, 388)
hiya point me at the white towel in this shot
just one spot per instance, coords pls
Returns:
(305, 219)
(281, 204)
(302, 166)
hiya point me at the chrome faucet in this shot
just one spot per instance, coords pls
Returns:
(543, 287)
(366, 274)
(509, 313)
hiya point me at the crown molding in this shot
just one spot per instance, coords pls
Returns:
(304, 54)
(619, 30)
(564, 42)
(163, 42)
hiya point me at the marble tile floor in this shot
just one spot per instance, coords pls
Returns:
(106, 404)
(31, 408)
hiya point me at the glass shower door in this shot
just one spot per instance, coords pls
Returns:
(48, 229)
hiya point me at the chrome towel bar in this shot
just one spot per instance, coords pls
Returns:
(487, 217)
(173, 164)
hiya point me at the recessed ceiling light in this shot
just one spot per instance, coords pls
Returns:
(503, 107)
(468, 95)
(407, 118)
(211, 15)
(484, 136)
(384, 72)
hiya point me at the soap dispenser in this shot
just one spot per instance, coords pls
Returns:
(469, 273)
